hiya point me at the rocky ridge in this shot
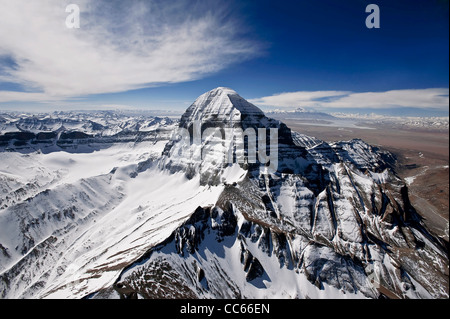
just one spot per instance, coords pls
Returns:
(334, 220)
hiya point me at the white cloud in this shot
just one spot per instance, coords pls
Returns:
(12, 96)
(121, 45)
(298, 99)
(435, 98)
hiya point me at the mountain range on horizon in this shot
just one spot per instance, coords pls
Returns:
(333, 221)
(300, 114)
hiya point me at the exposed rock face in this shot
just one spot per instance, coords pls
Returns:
(221, 106)
(219, 124)
(334, 219)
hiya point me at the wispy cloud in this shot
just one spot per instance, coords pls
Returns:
(298, 99)
(433, 98)
(121, 45)
(13, 96)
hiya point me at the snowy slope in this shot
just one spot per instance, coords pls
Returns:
(142, 219)
(225, 256)
(79, 131)
(334, 222)
(75, 236)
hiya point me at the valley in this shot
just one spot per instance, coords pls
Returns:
(110, 206)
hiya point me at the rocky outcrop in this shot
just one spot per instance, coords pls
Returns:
(333, 220)
(334, 214)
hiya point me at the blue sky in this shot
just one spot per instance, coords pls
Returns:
(159, 54)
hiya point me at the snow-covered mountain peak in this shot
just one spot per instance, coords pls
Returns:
(220, 105)
(332, 221)
(224, 89)
(221, 129)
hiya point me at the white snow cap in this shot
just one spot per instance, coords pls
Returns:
(223, 102)
(224, 89)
